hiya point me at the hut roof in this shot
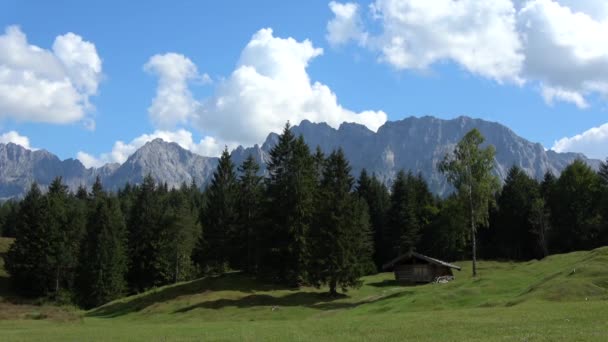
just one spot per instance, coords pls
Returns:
(418, 256)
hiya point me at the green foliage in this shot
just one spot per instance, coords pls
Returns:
(8, 218)
(144, 226)
(219, 218)
(340, 240)
(250, 216)
(469, 169)
(290, 207)
(103, 257)
(378, 200)
(576, 209)
(520, 224)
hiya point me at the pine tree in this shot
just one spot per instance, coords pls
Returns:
(103, 258)
(290, 205)
(219, 218)
(376, 196)
(183, 231)
(404, 224)
(27, 259)
(516, 237)
(576, 219)
(340, 240)
(65, 226)
(143, 237)
(249, 215)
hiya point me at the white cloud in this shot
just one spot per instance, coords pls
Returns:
(173, 103)
(41, 85)
(346, 24)
(121, 151)
(551, 94)
(15, 138)
(478, 35)
(593, 143)
(565, 50)
(269, 87)
(560, 45)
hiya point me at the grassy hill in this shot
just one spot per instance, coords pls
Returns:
(563, 297)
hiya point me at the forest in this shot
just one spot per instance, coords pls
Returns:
(307, 221)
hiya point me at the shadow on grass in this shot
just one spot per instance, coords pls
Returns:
(315, 300)
(235, 281)
(392, 283)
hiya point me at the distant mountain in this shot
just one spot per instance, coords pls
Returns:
(416, 144)
(166, 162)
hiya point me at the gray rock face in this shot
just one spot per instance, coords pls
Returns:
(165, 162)
(416, 144)
(419, 144)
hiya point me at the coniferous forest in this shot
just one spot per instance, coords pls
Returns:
(307, 221)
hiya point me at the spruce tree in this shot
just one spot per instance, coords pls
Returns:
(376, 196)
(65, 227)
(291, 189)
(340, 239)
(183, 230)
(404, 225)
(143, 227)
(576, 219)
(516, 237)
(219, 218)
(27, 260)
(249, 215)
(103, 258)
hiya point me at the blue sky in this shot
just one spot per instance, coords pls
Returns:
(131, 71)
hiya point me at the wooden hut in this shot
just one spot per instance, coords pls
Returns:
(417, 268)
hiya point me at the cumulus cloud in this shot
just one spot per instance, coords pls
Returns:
(15, 138)
(566, 51)
(270, 86)
(121, 151)
(51, 86)
(346, 24)
(593, 143)
(173, 103)
(560, 45)
(481, 36)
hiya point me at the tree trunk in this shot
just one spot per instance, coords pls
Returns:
(56, 281)
(176, 265)
(474, 243)
(332, 288)
(473, 235)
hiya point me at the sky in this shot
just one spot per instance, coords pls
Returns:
(95, 80)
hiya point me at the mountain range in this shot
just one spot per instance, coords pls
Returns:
(415, 144)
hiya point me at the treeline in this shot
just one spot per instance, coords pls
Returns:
(307, 222)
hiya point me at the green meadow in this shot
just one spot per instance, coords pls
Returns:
(562, 297)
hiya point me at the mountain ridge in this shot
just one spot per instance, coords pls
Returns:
(413, 143)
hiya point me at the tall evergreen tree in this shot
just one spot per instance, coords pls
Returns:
(65, 224)
(290, 205)
(249, 215)
(143, 227)
(516, 235)
(103, 258)
(575, 215)
(404, 225)
(183, 231)
(469, 170)
(27, 259)
(219, 218)
(341, 244)
(378, 201)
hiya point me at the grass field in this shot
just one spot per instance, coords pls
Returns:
(563, 297)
